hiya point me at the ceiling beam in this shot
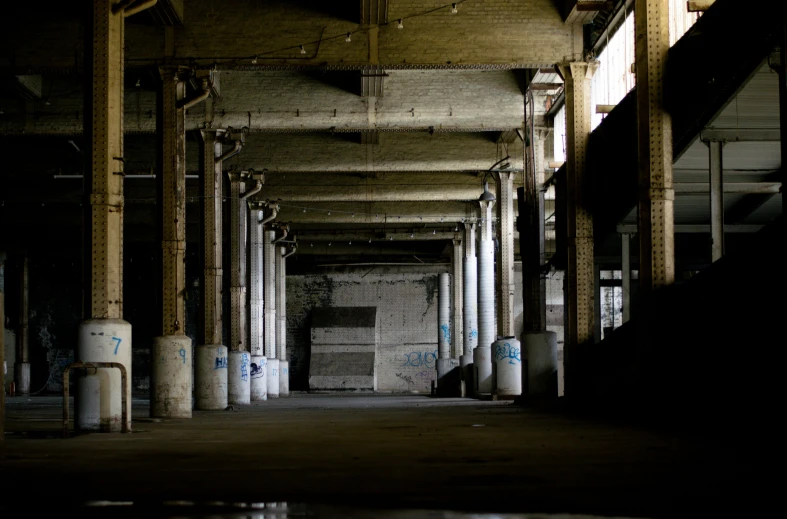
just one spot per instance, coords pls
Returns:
(694, 228)
(740, 135)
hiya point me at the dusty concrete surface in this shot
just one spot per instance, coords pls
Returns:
(377, 451)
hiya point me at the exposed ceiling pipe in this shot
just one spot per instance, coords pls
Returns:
(186, 104)
(284, 231)
(253, 191)
(292, 251)
(139, 7)
(274, 213)
(234, 151)
(121, 6)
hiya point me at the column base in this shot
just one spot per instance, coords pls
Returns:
(259, 379)
(508, 364)
(273, 378)
(238, 378)
(22, 378)
(171, 377)
(539, 369)
(211, 383)
(99, 398)
(284, 378)
(482, 371)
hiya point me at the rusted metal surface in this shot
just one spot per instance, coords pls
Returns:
(125, 419)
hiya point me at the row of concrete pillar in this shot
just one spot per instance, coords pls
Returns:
(223, 375)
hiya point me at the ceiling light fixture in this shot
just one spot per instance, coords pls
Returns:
(454, 10)
(254, 60)
(401, 25)
(303, 51)
(349, 38)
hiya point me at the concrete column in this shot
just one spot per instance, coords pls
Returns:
(98, 396)
(22, 367)
(238, 221)
(654, 125)
(456, 301)
(505, 256)
(171, 379)
(625, 245)
(211, 356)
(255, 283)
(716, 180)
(443, 329)
(469, 308)
(579, 274)
(482, 354)
(238, 375)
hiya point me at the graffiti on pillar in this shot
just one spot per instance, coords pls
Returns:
(257, 370)
(221, 363)
(244, 367)
(117, 344)
(507, 352)
(182, 354)
(419, 359)
(473, 333)
(406, 378)
(446, 333)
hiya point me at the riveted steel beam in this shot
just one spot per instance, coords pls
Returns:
(580, 273)
(654, 125)
(238, 222)
(505, 254)
(269, 291)
(171, 185)
(104, 190)
(281, 298)
(457, 289)
(255, 277)
(211, 200)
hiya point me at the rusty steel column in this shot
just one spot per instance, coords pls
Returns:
(211, 359)
(238, 220)
(254, 291)
(654, 125)
(22, 365)
(716, 181)
(211, 239)
(457, 288)
(171, 182)
(505, 258)
(579, 274)
(281, 314)
(104, 187)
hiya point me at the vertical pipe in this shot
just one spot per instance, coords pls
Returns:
(715, 152)
(22, 367)
(625, 245)
(281, 276)
(457, 329)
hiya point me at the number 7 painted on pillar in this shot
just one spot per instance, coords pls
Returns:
(117, 344)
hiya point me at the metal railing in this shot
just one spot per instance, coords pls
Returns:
(126, 423)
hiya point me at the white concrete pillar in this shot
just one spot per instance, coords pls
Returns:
(281, 320)
(482, 354)
(457, 342)
(443, 326)
(469, 307)
(269, 312)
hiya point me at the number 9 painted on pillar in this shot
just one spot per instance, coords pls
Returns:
(182, 354)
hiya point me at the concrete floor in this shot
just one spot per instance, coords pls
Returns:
(397, 452)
